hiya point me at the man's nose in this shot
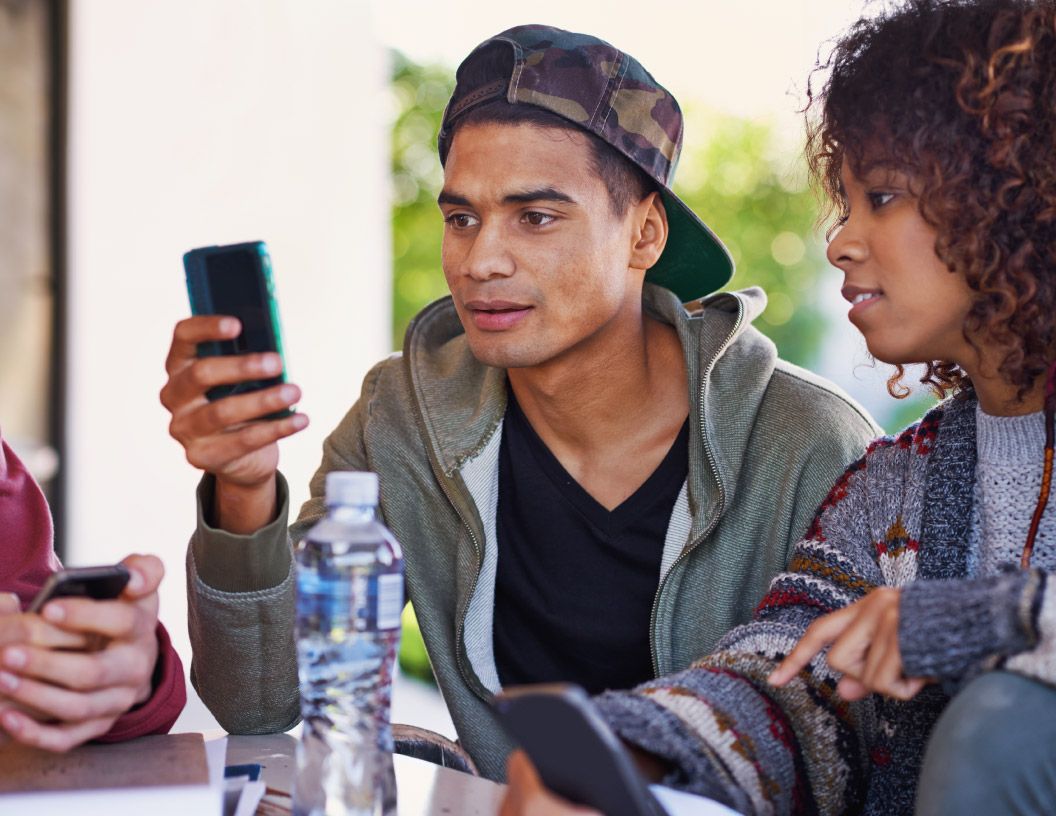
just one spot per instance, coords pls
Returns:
(489, 255)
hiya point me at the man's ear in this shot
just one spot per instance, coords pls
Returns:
(649, 236)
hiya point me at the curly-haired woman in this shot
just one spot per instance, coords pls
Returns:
(907, 659)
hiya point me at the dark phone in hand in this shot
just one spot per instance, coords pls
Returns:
(236, 280)
(98, 583)
(577, 755)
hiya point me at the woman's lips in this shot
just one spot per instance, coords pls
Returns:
(860, 298)
(496, 315)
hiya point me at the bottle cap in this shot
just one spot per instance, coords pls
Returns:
(351, 487)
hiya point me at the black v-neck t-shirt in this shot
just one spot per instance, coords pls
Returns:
(575, 582)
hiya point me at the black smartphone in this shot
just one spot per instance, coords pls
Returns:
(236, 280)
(577, 755)
(98, 583)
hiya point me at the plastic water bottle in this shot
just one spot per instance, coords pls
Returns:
(349, 600)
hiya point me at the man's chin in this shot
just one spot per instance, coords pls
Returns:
(504, 354)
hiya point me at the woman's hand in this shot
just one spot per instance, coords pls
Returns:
(526, 795)
(864, 638)
(54, 698)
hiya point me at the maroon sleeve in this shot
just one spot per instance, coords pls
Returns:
(157, 714)
(27, 557)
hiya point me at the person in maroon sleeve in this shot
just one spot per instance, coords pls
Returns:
(55, 694)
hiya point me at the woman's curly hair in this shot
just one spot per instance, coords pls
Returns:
(960, 95)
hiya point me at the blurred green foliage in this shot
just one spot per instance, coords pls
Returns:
(420, 93)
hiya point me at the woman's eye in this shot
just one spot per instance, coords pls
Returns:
(879, 199)
(538, 219)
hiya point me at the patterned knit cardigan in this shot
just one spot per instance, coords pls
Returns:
(898, 517)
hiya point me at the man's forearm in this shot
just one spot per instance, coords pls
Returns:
(244, 510)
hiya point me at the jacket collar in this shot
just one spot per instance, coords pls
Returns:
(461, 402)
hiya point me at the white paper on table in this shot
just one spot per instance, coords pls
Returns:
(679, 803)
(252, 793)
(215, 759)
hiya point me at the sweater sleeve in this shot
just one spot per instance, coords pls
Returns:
(730, 735)
(954, 630)
(27, 556)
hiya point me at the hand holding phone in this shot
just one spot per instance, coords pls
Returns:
(236, 281)
(209, 351)
(575, 753)
(58, 696)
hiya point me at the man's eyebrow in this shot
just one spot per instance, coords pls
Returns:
(523, 197)
(540, 194)
(452, 198)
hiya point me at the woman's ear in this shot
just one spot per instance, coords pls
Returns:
(650, 232)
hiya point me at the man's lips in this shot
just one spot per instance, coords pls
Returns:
(860, 297)
(496, 315)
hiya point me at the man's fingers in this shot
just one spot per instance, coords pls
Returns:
(194, 330)
(56, 703)
(818, 635)
(9, 603)
(187, 385)
(120, 664)
(58, 738)
(213, 454)
(219, 416)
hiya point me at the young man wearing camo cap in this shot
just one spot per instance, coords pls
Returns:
(591, 481)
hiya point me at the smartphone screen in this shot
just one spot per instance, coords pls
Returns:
(236, 287)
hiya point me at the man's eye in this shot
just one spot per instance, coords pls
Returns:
(460, 220)
(538, 219)
(879, 199)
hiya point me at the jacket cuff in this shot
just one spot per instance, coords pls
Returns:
(950, 629)
(242, 563)
(157, 714)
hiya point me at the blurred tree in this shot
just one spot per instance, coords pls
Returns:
(420, 93)
(753, 193)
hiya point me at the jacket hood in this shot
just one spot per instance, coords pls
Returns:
(461, 402)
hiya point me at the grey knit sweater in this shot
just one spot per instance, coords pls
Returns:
(1007, 482)
(900, 517)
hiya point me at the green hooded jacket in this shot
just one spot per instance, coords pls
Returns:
(767, 441)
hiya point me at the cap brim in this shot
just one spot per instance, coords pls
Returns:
(695, 262)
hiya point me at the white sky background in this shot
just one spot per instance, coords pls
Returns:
(750, 58)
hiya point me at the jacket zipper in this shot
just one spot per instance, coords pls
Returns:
(476, 687)
(714, 472)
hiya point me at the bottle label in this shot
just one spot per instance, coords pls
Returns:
(349, 602)
(390, 601)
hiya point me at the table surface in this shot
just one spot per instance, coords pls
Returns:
(422, 788)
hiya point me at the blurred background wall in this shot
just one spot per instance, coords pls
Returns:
(312, 125)
(203, 122)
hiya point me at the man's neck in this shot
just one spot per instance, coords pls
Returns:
(610, 410)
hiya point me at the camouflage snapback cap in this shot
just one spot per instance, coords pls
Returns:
(602, 90)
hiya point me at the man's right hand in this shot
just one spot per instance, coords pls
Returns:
(221, 437)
